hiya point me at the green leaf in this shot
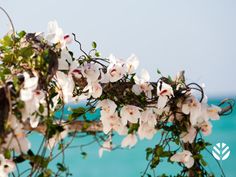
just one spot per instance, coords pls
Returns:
(133, 128)
(158, 71)
(84, 155)
(26, 52)
(6, 71)
(61, 167)
(7, 41)
(41, 108)
(169, 78)
(155, 162)
(97, 54)
(94, 44)
(77, 112)
(166, 154)
(203, 162)
(46, 173)
(158, 150)
(7, 154)
(21, 34)
(148, 152)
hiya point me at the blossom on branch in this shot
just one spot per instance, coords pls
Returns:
(142, 84)
(130, 113)
(184, 157)
(165, 92)
(6, 166)
(129, 141)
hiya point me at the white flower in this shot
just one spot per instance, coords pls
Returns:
(17, 139)
(188, 136)
(146, 131)
(32, 106)
(193, 107)
(56, 35)
(76, 70)
(142, 84)
(129, 141)
(165, 92)
(32, 99)
(109, 122)
(66, 85)
(64, 60)
(115, 70)
(184, 157)
(91, 71)
(145, 77)
(107, 146)
(57, 137)
(108, 107)
(132, 64)
(213, 112)
(30, 85)
(94, 89)
(149, 117)
(6, 166)
(130, 113)
(206, 128)
(113, 122)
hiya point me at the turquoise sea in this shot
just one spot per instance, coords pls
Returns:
(131, 163)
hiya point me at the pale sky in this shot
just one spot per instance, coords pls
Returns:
(198, 36)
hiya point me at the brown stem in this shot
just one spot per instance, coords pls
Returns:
(79, 126)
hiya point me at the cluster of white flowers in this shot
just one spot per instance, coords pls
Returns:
(114, 117)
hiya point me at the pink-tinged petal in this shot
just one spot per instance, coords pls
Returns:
(132, 64)
(162, 100)
(129, 141)
(34, 121)
(121, 129)
(136, 89)
(96, 90)
(195, 114)
(116, 69)
(176, 157)
(100, 152)
(164, 89)
(91, 71)
(145, 77)
(130, 113)
(64, 60)
(146, 131)
(188, 136)
(184, 157)
(185, 109)
(213, 112)
(190, 162)
(108, 107)
(149, 117)
(106, 127)
(107, 146)
(206, 128)
(8, 166)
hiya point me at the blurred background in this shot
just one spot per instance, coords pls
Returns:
(196, 36)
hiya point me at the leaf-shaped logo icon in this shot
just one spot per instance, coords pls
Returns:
(221, 151)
